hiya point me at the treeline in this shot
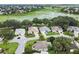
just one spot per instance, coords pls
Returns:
(71, 10)
(63, 21)
(5, 10)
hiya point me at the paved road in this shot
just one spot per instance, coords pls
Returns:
(23, 40)
(61, 36)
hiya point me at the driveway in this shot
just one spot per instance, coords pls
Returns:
(21, 40)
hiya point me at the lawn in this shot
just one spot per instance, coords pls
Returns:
(69, 33)
(28, 46)
(10, 48)
(42, 13)
(52, 33)
(22, 16)
(30, 35)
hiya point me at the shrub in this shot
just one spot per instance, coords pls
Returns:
(7, 33)
(60, 45)
(41, 37)
(28, 47)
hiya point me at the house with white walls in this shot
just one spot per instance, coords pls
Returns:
(74, 29)
(20, 32)
(44, 29)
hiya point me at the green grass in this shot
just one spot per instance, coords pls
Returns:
(29, 35)
(29, 15)
(28, 46)
(69, 33)
(37, 13)
(52, 33)
(10, 48)
(22, 16)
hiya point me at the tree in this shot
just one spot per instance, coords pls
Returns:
(12, 23)
(26, 23)
(51, 39)
(7, 34)
(37, 21)
(64, 22)
(42, 38)
(1, 25)
(60, 45)
(28, 47)
(45, 21)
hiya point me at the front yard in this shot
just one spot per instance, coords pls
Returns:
(69, 33)
(29, 35)
(28, 47)
(52, 33)
(9, 48)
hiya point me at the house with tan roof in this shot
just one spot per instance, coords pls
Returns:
(57, 29)
(33, 30)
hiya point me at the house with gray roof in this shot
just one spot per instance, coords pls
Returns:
(20, 32)
(74, 29)
(44, 29)
(41, 46)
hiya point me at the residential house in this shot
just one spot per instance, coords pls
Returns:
(44, 29)
(41, 46)
(74, 29)
(57, 29)
(20, 32)
(33, 30)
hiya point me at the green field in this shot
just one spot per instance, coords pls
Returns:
(42, 13)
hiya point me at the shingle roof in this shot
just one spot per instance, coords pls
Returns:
(44, 29)
(40, 45)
